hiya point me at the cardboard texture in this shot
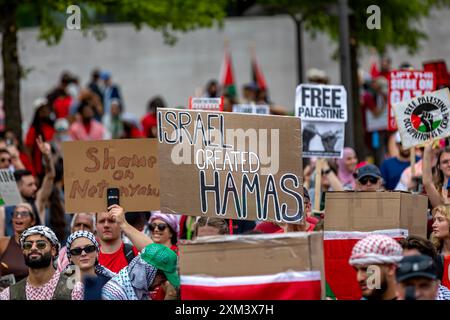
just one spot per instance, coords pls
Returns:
(90, 167)
(197, 180)
(253, 255)
(370, 211)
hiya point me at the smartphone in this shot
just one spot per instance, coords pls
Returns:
(112, 196)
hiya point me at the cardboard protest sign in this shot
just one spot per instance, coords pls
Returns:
(423, 118)
(90, 167)
(9, 193)
(316, 102)
(276, 266)
(404, 85)
(230, 165)
(323, 139)
(209, 104)
(252, 108)
(370, 211)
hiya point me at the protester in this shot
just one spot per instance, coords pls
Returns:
(368, 178)
(155, 267)
(212, 89)
(19, 158)
(61, 135)
(82, 252)
(80, 222)
(392, 168)
(113, 121)
(164, 229)
(42, 125)
(40, 248)
(37, 198)
(379, 254)
(59, 98)
(11, 256)
(441, 229)
(436, 185)
(210, 226)
(149, 121)
(346, 168)
(114, 254)
(417, 278)
(86, 128)
(95, 85)
(110, 91)
(5, 159)
(415, 245)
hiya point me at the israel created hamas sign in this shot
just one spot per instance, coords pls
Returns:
(423, 118)
(237, 166)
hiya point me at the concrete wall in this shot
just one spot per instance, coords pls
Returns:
(144, 66)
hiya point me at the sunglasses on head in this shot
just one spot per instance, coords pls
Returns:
(77, 251)
(160, 226)
(40, 244)
(24, 214)
(366, 179)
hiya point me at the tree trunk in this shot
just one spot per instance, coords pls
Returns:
(360, 146)
(11, 68)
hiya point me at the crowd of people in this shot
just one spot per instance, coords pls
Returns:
(47, 253)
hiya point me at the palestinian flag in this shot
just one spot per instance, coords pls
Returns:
(337, 246)
(291, 285)
(257, 75)
(226, 76)
(426, 118)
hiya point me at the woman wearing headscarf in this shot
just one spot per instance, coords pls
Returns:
(156, 266)
(346, 168)
(164, 229)
(82, 252)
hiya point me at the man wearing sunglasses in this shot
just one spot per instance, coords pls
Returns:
(417, 278)
(5, 159)
(368, 178)
(40, 249)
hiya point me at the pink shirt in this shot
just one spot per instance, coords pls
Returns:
(46, 291)
(78, 132)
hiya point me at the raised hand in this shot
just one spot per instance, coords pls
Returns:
(44, 147)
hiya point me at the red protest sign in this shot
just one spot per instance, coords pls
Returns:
(405, 85)
(440, 68)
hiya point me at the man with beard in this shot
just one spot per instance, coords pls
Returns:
(374, 259)
(31, 194)
(40, 249)
(392, 168)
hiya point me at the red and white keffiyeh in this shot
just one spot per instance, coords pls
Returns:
(376, 249)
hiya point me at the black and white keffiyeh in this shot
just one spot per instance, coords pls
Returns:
(43, 231)
(81, 234)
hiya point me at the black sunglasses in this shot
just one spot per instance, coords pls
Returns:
(161, 226)
(366, 179)
(79, 250)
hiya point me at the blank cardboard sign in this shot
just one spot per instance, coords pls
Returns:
(90, 167)
(238, 166)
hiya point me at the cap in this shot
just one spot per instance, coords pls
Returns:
(105, 75)
(170, 219)
(415, 267)
(164, 259)
(370, 170)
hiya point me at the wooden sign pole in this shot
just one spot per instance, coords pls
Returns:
(318, 185)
